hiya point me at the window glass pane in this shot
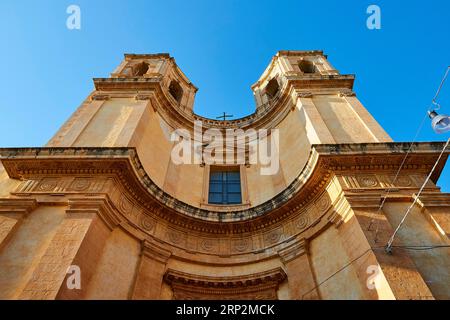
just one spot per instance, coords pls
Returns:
(215, 187)
(225, 187)
(215, 198)
(234, 198)
(234, 187)
(233, 176)
(215, 176)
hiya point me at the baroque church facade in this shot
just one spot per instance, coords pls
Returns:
(104, 200)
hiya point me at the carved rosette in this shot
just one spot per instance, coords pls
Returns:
(176, 237)
(302, 222)
(240, 245)
(147, 223)
(273, 237)
(209, 245)
(368, 181)
(48, 185)
(80, 184)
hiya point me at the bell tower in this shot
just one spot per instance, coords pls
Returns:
(112, 113)
(325, 98)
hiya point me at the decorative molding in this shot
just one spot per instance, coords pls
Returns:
(379, 181)
(99, 206)
(123, 164)
(434, 199)
(341, 211)
(256, 286)
(302, 222)
(99, 96)
(143, 96)
(273, 237)
(347, 93)
(147, 223)
(111, 183)
(304, 95)
(155, 251)
(23, 206)
(241, 245)
(294, 250)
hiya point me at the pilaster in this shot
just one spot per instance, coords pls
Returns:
(150, 271)
(398, 268)
(302, 284)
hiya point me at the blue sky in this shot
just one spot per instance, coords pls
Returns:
(223, 47)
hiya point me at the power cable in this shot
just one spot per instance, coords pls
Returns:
(405, 247)
(395, 179)
(438, 106)
(389, 244)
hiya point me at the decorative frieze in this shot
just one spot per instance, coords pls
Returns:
(273, 237)
(241, 245)
(130, 197)
(62, 185)
(379, 181)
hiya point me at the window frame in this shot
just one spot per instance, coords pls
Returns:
(227, 187)
(206, 186)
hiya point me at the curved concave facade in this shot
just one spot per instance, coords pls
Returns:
(144, 199)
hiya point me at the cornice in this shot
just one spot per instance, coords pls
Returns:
(23, 206)
(264, 116)
(130, 83)
(314, 82)
(124, 163)
(300, 53)
(256, 286)
(276, 275)
(131, 56)
(155, 251)
(296, 249)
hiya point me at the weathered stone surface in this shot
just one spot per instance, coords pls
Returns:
(105, 196)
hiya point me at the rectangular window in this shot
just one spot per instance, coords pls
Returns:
(225, 186)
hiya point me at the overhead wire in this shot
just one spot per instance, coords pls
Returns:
(405, 247)
(390, 245)
(416, 198)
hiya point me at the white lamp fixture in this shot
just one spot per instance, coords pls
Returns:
(439, 122)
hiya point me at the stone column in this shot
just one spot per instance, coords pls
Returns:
(302, 284)
(150, 272)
